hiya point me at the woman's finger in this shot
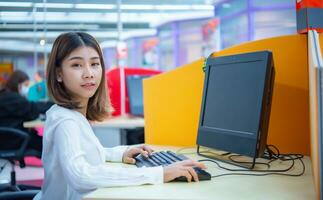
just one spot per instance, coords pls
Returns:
(134, 152)
(148, 149)
(130, 160)
(193, 174)
(192, 163)
(187, 174)
(144, 153)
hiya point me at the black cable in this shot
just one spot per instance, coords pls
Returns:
(271, 156)
(269, 172)
(246, 162)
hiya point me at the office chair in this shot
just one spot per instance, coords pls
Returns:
(19, 195)
(16, 153)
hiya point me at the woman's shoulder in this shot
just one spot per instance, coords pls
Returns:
(59, 112)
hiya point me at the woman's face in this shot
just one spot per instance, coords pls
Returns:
(23, 88)
(81, 73)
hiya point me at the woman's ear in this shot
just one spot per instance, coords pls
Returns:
(59, 75)
(19, 86)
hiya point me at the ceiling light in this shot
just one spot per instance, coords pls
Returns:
(54, 5)
(95, 6)
(202, 7)
(16, 4)
(173, 7)
(136, 7)
(42, 42)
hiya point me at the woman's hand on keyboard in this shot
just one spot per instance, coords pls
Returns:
(182, 168)
(130, 153)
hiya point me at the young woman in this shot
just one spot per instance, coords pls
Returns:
(73, 158)
(15, 109)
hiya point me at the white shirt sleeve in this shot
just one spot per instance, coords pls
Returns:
(115, 154)
(82, 176)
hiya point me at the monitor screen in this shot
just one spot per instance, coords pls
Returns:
(135, 94)
(236, 103)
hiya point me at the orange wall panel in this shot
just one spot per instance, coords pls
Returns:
(173, 99)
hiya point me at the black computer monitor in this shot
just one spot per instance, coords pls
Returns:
(236, 104)
(135, 94)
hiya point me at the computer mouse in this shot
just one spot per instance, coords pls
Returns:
(201, 173)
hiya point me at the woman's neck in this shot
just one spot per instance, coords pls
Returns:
(82, 111)
(83, 108)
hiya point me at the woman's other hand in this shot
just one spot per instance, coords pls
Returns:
(130, 153)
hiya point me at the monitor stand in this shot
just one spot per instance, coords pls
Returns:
(227, 157)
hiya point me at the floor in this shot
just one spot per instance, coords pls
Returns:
(28, 175)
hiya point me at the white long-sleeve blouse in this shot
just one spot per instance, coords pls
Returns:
(75, 162)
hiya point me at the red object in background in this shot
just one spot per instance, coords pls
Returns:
(150, 44)
(113, 84)
(209, 28)
(309, 4)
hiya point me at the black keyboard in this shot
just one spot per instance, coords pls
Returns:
(164, 158)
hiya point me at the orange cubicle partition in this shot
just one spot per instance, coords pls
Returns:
(173, 99)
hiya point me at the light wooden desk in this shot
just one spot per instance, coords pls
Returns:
(121, 122)
(271, 187)
(33, 123)
(110, 132)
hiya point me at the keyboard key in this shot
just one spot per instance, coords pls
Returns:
(169, 158)
(159, 155)
(176, 156)
(156, 159)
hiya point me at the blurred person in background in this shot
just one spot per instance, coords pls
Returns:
(16, 109)
(38, 91)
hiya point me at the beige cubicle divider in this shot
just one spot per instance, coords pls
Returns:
(315, 88)
(172, 100)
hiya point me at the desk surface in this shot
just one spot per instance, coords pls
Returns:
(114, 122)
(121, 122)
(33, 123)
(226, 187)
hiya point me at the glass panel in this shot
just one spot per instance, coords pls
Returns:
(272, 3)
(110, 60)
(234, 31)
(165, 30)
(166, 55)
(228, 8)
(274, 23)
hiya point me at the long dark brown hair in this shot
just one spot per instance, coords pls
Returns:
(98, 106)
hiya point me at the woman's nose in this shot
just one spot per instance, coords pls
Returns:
(88, 72)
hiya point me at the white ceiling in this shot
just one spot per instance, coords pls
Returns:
(24, 23)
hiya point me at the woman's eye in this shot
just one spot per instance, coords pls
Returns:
(76, 65)
(95, 64)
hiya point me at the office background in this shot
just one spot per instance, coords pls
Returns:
(162, 36)
(159, 35)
